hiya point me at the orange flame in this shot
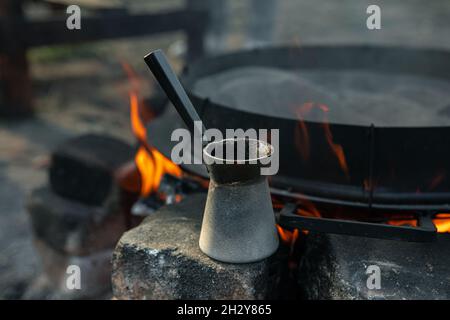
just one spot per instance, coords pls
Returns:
(139, 130)
(144, 163)
(442, 222)
(288, 237)
(302, 139)
(308, 209)
(409, 223)
(301, 132)
(336, 148)
(151, 164)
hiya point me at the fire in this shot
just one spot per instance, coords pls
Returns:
(308, 209)
(302, 139)
(301, 132)
(151, 164)
(442, 222)
(288, 237)
(336, 148)
(409, 223)
(139, 130)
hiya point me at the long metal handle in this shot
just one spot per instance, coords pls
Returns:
(426, 232)
(167, 79)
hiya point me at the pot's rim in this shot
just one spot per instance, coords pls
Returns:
(264, 148)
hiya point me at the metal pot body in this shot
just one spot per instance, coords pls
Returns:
(239, 222)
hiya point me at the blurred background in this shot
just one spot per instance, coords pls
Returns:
(57, 83)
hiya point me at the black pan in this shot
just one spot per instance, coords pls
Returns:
(389, 167)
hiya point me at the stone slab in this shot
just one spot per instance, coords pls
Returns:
(83, 168)
(161, 259)
(337, 267)
(94, 273)
(72, 227)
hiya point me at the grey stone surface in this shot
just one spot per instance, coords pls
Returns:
(161, 259)
(83, 168)
(334, 267)
(95, 272)
(72, 227)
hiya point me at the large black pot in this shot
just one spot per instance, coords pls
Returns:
(389, 167)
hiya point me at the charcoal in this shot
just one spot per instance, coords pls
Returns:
(352, 96)
(83, 168)
(339, 267)
(71, 227)
(161, 259)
